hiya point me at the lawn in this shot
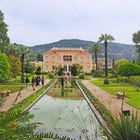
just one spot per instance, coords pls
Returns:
(14, 84)
(133, 97)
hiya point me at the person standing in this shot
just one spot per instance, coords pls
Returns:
(33, 83)
(36, 79)
(42, 80)
(27, 81)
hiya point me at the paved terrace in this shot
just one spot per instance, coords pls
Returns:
(9, 100)
(111, 102)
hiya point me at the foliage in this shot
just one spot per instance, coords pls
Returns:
(81, 76)
(50, 75)
(73, 83)
(122, 79)
(38, 71)
(135, 81)
(4, 67)
(132, 95)
(105, 38)
(59, 70)
(39, 57)
(120, 62)
(136, 40)
(14, 124)
(129, 69)
(114, 73)
(29, 68)
(105, 113)
(100, 73)
(4, 40)
(15, 65)
(75, 69)
(88, 73)
(95, 48)
(125, 128)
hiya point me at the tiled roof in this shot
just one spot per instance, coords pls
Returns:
(54, 51)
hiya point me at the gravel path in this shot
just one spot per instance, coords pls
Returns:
(111, 102)
(9, 100)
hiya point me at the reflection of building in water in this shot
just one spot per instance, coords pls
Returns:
(66, 57)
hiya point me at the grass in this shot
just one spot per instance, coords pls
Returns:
(26, 102)
(11, 85)
(14, 85)
(133, 97)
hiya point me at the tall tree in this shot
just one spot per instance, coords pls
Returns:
(22, 51)
(4, 40)
(106, 38)
(15, 65)
(95, 48)
(4, 67)
(136, 40)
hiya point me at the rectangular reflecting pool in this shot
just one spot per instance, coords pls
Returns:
(65, 113)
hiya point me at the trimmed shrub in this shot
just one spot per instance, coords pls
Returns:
(38, 70)
(135, 81)
(129, 69)
(82, 76)
(50, 75)
(110, 75)
(88, 73)
(123, 79)
(100, 73)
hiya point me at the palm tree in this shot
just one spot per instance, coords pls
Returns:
(105, 38)
(95, 48)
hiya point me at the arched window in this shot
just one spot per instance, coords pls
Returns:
(69, 67)
(67, 58)
(65, 68)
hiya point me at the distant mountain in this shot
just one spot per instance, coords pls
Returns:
(115, 50)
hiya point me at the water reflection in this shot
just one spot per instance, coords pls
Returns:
(66, 114)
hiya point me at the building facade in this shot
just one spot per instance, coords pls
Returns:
(66, 57)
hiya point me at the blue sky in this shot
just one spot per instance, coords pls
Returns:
(33, 22)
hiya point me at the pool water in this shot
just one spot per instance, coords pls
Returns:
(66, 116)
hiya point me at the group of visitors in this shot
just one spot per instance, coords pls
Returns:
(36, 81)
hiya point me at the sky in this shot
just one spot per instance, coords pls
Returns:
(34, 22)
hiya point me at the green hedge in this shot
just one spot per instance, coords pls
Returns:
(81, 76)
(122, 79)
(135, 81)
(129, 69)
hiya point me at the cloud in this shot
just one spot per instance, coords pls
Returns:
(34, 22)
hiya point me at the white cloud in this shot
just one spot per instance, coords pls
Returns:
(41, 21)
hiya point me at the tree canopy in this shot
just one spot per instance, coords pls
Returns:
(136, 40)
(4, 39)
(105, 38)
(129, 69)
(4, 67)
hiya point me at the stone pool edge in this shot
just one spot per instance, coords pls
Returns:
(93, 109)
(48, 88)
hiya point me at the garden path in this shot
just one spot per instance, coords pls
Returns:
(9, 100)
(111, 102)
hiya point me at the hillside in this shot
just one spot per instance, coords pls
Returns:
(116, 50)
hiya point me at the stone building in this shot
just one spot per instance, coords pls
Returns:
(66, 57)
